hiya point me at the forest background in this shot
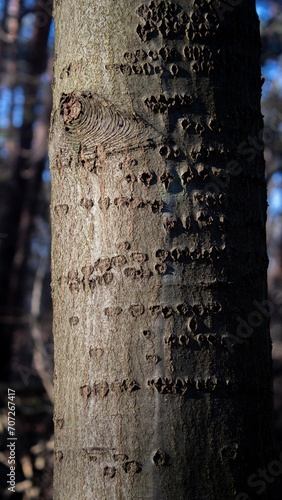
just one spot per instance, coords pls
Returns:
(26, 345)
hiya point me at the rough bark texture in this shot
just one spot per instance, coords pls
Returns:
(158, 248)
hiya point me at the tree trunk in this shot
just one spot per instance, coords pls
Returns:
(162, 351)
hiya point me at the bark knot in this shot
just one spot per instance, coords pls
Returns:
(91, 122)
(71, 109)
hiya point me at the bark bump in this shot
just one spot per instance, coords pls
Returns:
(91, 122)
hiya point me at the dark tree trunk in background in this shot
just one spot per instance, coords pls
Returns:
(19, 193)
(162, 354)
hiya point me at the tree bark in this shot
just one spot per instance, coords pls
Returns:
(162, 352)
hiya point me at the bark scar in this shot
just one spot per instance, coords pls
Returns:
(91, 122)
(71, 110)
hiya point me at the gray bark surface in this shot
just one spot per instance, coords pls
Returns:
(158, 219)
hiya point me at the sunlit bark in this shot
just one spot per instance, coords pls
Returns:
(158, 215)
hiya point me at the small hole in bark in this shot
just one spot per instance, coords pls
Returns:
(174, 69)
(152, 358)
(161, 268)
(132, 467)
(198, 309)
(60, 422)
(74, 320)
(165, 151)
(162, 255)
(147, 178)
(183, 340)
(136, 310)
(192, 324)
(109, 472)
(183, 309)
(148, 334)
(59, 455)
(160, 458)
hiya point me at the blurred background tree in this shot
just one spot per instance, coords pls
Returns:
(270, 13)
(26, 55)
(26, 347)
